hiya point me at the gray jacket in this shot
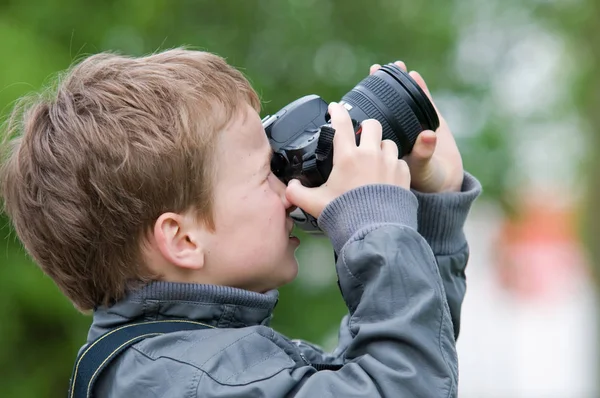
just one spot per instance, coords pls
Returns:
(403, 287)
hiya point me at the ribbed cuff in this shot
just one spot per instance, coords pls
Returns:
(442, 216)
(365, 206)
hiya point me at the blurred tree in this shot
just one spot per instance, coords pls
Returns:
(579, 24)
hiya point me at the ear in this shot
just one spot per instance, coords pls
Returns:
(179, 240)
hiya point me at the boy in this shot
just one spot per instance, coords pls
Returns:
(143, 188)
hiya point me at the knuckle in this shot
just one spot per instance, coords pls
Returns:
(342, 158)
(345, 161)
(389, 144)
(337, 113)
(371, 124)
(390, 161)
(368, 151)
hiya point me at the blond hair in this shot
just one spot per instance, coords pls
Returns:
(92, 163)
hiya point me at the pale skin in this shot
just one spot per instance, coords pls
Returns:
(250, 247)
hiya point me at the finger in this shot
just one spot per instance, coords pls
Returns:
(303, 197)
(374, 68)
(402, 165)
(343, 140)
(423, 149)
(421, 82)
(401, 65)
(389, 149)
(404, 176)
(370, 138)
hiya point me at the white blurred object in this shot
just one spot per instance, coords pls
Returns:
(538, 345)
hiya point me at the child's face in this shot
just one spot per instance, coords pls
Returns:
(251, 247)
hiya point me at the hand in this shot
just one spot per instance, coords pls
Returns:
(372, 162)
(435, 162)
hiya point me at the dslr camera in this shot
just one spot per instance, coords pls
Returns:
(302, 137)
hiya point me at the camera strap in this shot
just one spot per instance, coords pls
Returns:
(101, 352)
(325, 144)
(312, 167)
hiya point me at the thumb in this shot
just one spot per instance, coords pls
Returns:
(423, 149)
(303, 197)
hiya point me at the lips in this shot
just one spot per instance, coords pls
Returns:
(294, 240)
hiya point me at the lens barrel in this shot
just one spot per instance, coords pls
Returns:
(392, 97)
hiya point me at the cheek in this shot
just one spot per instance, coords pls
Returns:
(270, 216)
(260, 209)
(272, 211)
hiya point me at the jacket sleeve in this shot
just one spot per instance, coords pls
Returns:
(401, 338)
(441, 219)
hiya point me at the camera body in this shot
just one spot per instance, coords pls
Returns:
(302, 137)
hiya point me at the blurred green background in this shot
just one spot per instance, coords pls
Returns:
(516, 80)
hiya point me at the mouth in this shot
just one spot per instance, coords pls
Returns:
(291, 230)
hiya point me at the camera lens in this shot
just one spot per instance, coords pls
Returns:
(392, 97)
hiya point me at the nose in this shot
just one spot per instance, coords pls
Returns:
(280, 188)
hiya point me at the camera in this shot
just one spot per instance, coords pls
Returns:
(302, 137)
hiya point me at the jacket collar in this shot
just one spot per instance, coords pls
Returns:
(218, 306)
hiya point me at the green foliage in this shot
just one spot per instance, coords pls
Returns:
(286, 48)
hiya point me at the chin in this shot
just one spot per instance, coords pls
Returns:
(288, 274)
(293, 272)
